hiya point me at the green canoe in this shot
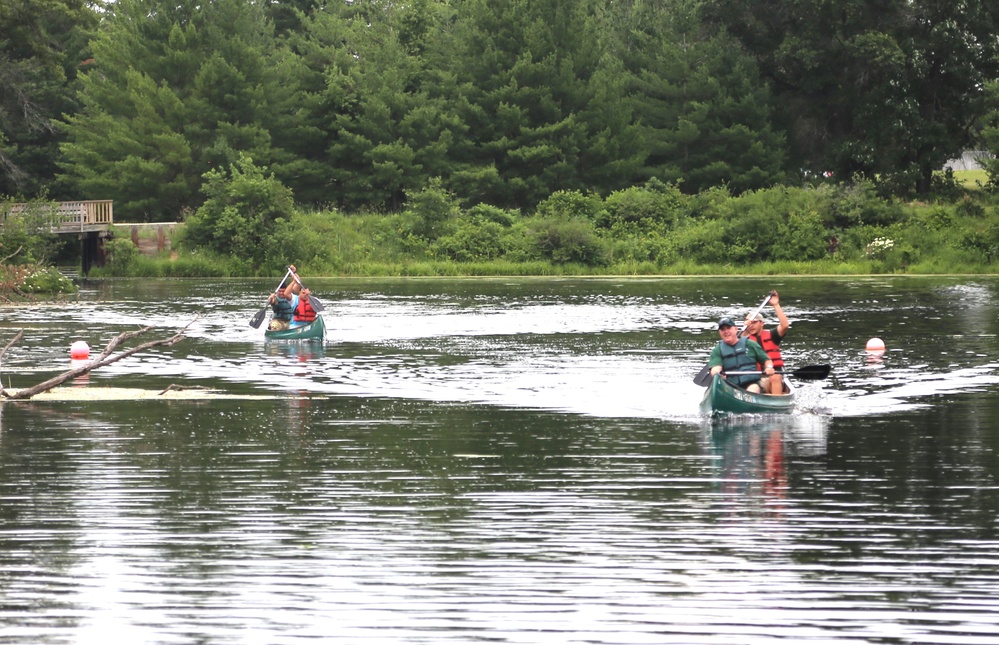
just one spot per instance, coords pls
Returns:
(315, 330)
(721, 396)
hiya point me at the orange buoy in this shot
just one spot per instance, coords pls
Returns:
(876, 345)
(79, 350)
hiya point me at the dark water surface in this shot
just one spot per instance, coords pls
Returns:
(505, 461)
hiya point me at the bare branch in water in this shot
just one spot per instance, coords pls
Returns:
(106, 358)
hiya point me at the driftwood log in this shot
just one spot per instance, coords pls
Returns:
(106, 358)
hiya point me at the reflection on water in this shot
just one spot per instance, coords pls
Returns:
(515, 461)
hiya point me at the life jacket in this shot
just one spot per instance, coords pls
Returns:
(282, 309)
(736, 358)
(766, 340)
(304, 311)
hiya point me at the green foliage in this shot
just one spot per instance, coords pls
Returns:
(472, 240)
(121, 255)
(485, 212)
(654, 204)
(990, 135)
(884, 91)
(859, 204)
(565, 241)
(433, 207)
(800, 236)
(171, 98)
(569, 204)
(25, 236)
(538, 108)
(43, 45)
(705, 114)
(241, 213)
(47, 280)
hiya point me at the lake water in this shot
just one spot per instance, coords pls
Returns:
(505, 461)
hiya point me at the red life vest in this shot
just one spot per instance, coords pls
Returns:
(766, 340)
(304, 311)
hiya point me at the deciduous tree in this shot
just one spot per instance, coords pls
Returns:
(883, 89)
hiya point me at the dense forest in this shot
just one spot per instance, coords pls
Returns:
(239, 116)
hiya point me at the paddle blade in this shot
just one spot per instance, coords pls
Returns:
(258, 318)
(318, 306)
(812, 372)
(703, 377)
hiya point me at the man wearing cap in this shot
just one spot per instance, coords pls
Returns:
(734, 353)
(770, 342)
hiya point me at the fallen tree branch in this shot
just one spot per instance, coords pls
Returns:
(4, 259)
(106, 358)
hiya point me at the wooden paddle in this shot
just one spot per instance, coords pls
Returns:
(259, 316)
(318, 306)
(703, 377)
(806, 373)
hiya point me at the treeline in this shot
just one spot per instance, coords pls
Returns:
(357, 106)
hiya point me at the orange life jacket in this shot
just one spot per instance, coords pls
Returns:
(766, 340)
(304, 311)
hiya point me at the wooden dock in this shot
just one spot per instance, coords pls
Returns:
(92, 216)
(91, 221)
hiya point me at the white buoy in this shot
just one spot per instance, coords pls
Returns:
(876, 346)
(79, 350)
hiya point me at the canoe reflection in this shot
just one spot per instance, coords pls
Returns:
(297, 351)
(751, 452)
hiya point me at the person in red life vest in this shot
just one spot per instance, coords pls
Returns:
(770, 340)
(303, 312)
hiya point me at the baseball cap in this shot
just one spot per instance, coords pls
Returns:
(725, 322)
(758, 317)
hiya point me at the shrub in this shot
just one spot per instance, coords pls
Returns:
(489, 213)
(567, 241)
(121, 254)
(800, 236)
(859, 204)
(433, 209)
(241, 212)
(568, 204)
(26, 236)
(47, 280)
(655, 203)
(472, 240)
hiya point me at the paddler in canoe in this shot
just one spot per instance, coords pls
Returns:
(288, 307)
(735, 353)
(769, 340)
(292, 307)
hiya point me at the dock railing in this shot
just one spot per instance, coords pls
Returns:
(68, 217)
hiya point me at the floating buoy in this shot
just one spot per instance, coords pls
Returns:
(876, 345)
(79, 350)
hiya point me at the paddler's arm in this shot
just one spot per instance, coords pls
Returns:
(715, 361)
(782, 322)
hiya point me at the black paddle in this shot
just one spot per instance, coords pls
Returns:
(806, 373)
(259, 316)
(318, 306)
(703, 377)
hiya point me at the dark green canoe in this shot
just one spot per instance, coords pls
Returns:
(315, 330)
(721, 396)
